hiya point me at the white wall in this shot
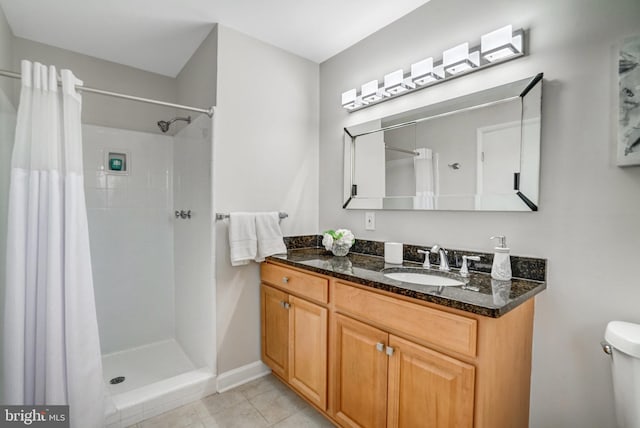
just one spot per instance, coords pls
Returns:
(400, 177)
(587, 225)
(6, 57)
(98, 73)
(194, 288)
(266, 159)
(197, 81)
(7, 128)
(193, 252)
(369, 171)
(131, 234)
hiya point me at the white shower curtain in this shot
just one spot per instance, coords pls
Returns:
(423, 167)
(51, 344)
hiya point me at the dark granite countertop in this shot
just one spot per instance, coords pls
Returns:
(481, 295)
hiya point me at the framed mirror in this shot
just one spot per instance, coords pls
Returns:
(479, 152)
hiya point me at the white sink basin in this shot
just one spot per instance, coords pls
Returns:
(424, 279)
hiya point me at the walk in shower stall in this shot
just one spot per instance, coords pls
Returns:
(149, 207)
(152, 266)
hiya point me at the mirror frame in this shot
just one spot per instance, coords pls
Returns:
(350, 135)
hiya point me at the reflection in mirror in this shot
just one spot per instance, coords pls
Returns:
(478, 152)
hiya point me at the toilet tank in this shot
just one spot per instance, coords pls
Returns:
(624, 338)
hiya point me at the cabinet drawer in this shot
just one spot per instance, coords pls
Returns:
(439, 328)
(296, 282)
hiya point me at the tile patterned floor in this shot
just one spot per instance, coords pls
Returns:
(264, 402)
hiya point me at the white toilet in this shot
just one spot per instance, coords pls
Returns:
(623, 343)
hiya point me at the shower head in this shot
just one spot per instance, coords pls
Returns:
(164, 124)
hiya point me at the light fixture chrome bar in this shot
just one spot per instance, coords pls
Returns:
(208, 112)
(483, 63)
(221, 216)
(394, 149)
(449, 113)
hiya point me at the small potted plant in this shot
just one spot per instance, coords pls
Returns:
(338, 241)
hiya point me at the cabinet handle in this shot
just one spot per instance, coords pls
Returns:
(285, 279)
(380, 347)
(389, 351)
(286, 305)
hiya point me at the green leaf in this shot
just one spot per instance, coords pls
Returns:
(330, 232)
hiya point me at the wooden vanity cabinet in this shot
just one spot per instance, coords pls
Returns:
(275, 330)
(294, 333)
(360, 367)
(381, 380)
(308, 350)
(393, 361)
(428, 388)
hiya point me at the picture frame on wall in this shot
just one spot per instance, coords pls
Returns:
(628, 150)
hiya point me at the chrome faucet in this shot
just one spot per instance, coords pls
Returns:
(444, 262)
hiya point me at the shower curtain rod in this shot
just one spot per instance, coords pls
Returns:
(395, 149)
(209, 111)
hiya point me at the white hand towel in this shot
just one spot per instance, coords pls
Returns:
(243, 243)
(270, 239)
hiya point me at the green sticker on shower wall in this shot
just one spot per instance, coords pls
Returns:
(115, 164)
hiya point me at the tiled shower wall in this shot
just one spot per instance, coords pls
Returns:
(194, 291)
(131, 233)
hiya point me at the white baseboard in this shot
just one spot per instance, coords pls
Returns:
(241, 375)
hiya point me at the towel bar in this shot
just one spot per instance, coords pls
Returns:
(221, 216)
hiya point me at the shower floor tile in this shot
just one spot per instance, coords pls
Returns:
(145, 365)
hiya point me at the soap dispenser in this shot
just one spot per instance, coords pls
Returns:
(501, 269)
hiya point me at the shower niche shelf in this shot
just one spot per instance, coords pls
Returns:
(117, 162)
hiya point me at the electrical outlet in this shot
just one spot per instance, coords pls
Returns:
(370, 220)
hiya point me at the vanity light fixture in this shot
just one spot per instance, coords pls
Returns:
(458, 59)
(350, 99)
(371, 93)
(500, 44)
(495, 47)
(423, 72)
(395, 83)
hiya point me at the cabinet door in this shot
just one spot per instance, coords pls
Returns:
(275, 329)
(428, 389)
(308, 350)
(360, 374)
